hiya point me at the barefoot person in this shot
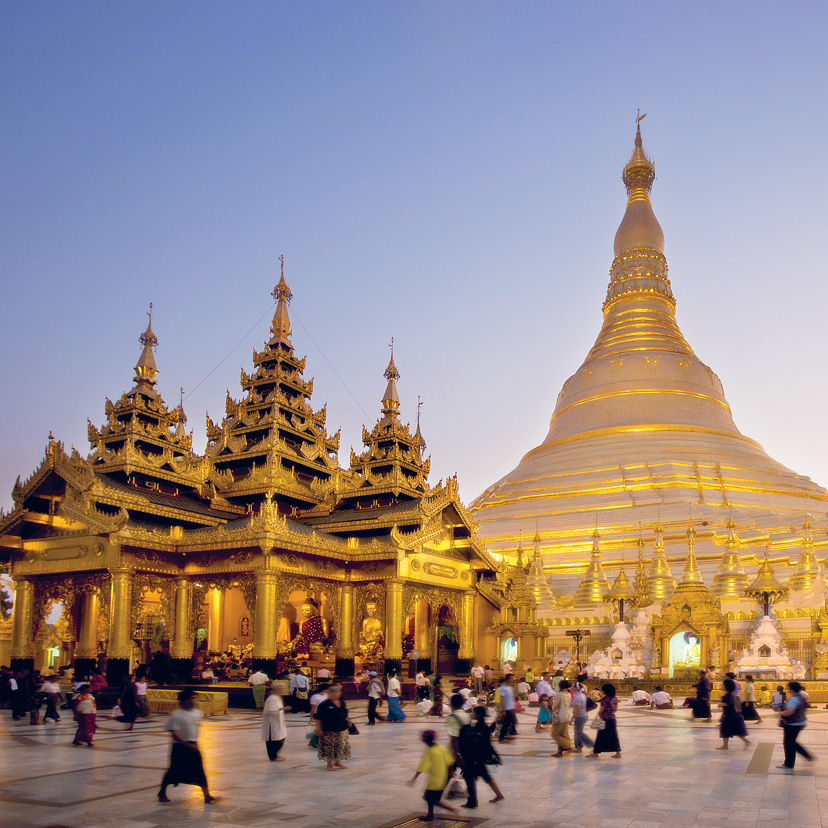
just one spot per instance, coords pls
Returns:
(793, 721)
(274, 731)
(436, 761)
(732, 723)
(186, 764)
(331, 720)
(607, 738)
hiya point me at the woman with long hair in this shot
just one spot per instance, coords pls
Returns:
(732, 723)
(607, 738)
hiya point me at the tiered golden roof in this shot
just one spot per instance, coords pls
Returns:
(642, 586)
(272, 443)
(392, 463)
(536, 582)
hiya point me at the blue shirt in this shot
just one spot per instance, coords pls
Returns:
(507, 697)
(798, 717)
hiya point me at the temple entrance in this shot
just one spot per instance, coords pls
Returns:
(447, 643)
(508, 651)
(685, 653)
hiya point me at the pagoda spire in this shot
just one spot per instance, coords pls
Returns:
(391, 399)
(691, 574)
(730, 581)
(642, 587)
(280, 327)
(765, 589)
(145, 369)
(807, 565)
(622, 591)
(594, 585)
(536, 582)
(659, 577)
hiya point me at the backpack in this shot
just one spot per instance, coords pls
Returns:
(470, 742)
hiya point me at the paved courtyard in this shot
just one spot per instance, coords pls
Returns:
(670, 775)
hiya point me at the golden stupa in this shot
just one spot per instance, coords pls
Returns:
(642, 434)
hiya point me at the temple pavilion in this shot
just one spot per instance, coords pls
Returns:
(263, 547)
(642, 461)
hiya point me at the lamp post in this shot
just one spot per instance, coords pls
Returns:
(578, 635)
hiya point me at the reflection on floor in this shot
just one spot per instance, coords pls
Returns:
(670, 775)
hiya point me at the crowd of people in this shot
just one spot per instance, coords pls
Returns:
(467, 751)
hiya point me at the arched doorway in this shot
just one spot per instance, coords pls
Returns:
(685, 653)
(508, 650)
(447, 643)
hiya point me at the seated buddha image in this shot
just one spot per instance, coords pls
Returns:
(370, 638)
(313, 629)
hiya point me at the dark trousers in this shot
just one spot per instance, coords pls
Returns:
(51, 708)
(470, 778)
(273, 747)
(509, 725)
(791, 746)
(372, 711)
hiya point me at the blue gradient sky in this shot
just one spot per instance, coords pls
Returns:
(444, 173)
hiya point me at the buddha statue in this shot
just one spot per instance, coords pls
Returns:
(370, 638)
(313, 630)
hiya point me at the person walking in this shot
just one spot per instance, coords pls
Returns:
(607, 738)
(375, 693)
(580, 718)
(463, 748)
(435, 763)
(51, 692)
(274, 731)
(141, 696)
(437, 693)
(732, 724)
(478, 675)
(332, 723)
(486, 754)
(128, 702)
(186, 762)
(561, 713)
(749, 711)
(701, 704)
(259, 682)
(395, 713)
(299, 692)
(507, 701)
(85, 715)
(793, 721)
(18, 686)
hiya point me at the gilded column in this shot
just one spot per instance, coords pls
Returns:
(393, 625)
(119, 646)
(345, 651)
(22, 650)
(182, 644)
(215, 622)
(465, 652)
(86, 651)
(264, 646)
(421, 642)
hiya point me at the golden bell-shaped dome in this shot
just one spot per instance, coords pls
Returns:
(594, 585)
(731, 580)
(691, 574)
(765, 588)
(807, 565)
(660, 579)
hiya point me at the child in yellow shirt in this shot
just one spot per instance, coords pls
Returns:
(435, 763)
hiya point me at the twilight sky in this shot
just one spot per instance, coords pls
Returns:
(444, 173)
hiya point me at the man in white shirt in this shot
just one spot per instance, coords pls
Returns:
(259, 681)
(580, 718)
(375, 691)
(456, 721)
(507, 701)
(661, 700)
(477, 676)
(300, 691)
(544, 687)
(523, 689)
(640, 697)
(51, 689)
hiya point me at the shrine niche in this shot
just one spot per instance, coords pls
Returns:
(309, 615)
(369, 611)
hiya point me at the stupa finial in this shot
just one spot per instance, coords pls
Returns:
(145, 369)
(391, 399)
(280, 327)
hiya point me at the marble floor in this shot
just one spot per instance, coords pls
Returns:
(670, 775)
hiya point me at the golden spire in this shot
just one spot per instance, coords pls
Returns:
(280, 328)
(594, 585)
(765, 589)
(622, 591)
(730, 581)
(390, 399)
(691, 574)
(536, 583)
(642, 587)
(807, 565)
(519, 563)
(659, 577)
(146, 370)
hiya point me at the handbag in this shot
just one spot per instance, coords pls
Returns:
(597, 724)
(591, 704)
(352, 729)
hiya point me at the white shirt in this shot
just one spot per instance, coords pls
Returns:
(394, 687)
(273, 718)
(508, 669)
(317, 699)
(578, 704)
(375, 688)
(477, 671)
(465, 692)
(50, 687)
(258, 678)
(523, 687)
(185, 723)
(455, 721)
(507, 697)
(661, 698)
(471, 703)
(420, 679)
(544, 687)
(640, 695)
(208, 674)
(324, 673)
(140, 688)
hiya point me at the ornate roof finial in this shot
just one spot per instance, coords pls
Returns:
(691, 574)
(281, 320)
(391, 371)
(390, 399)
(419, 433)
(146, 370)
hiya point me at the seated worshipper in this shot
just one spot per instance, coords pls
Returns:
(424, 707)
(544, 687)
(323, 674)
(661, 700)
(470, 703)
(640, 697)
(765, 697)
(778, 698)
(208, 676)
(523, 689)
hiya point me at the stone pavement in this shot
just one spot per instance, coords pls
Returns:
(670, 775)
